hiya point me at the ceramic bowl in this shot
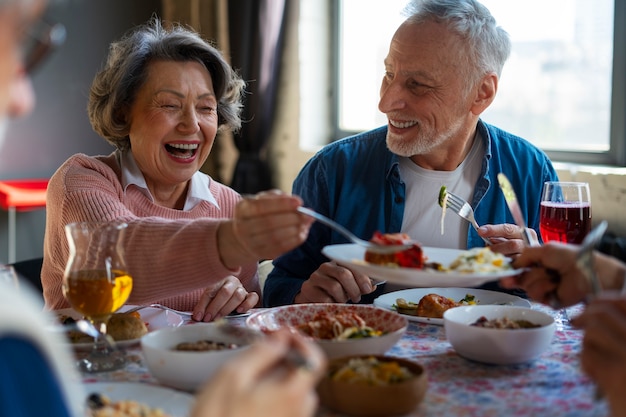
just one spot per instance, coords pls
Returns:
(366, 400)
(186, 370)
(498, 346)
(390, 323)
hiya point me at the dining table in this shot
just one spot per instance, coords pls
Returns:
(551, 385)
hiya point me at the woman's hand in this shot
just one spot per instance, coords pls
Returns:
(222, 299)
(603, 356)
(264, 226)
(261, 382)
(552, 271)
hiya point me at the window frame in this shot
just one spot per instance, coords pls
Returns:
(614, 156)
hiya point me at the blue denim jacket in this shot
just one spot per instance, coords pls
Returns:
(356, 181)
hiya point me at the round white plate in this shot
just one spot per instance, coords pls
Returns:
(483, 297)
(353, 255)
(174, 403)
(154, 318)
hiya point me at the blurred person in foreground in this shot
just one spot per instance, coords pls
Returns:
(191, 243)
(552, 274)
(441, 72)
(37, 376)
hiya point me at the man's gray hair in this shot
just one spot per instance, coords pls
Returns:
(489, 44)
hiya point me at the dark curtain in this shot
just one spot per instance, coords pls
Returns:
(256, 32)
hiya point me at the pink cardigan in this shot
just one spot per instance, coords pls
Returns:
(171, 254)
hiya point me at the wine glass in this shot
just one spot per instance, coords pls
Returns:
(565, 216)
(565, 212)
(96, 283)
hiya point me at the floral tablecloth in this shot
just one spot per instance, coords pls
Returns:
(552, 385)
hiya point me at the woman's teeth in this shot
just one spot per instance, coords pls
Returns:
(182, 150)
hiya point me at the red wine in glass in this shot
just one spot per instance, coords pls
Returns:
(566, 222)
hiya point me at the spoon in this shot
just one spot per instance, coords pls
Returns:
(373, 247)
(86, 327)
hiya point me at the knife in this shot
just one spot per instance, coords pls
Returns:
(516, 211)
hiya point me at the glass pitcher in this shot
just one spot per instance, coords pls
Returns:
(96, 283)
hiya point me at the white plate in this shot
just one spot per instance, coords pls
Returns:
(154, 318)
(175, 403)
(353, 255)
(483, 297)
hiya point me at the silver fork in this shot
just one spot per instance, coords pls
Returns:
(234, 314)
(160, 306)
(339, 228)
(463, 209)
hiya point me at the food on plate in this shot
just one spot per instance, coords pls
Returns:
(413, 257)
(479, 260)
(121, 326)
(204, 346)
(339, 326)
(504, 323)
(99, 405)
(371, 371)
(431, 305)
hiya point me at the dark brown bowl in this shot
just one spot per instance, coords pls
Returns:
(362, 400)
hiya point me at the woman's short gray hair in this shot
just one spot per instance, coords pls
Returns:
(115, 86)
(489, 44)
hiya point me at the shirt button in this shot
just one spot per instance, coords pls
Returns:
(399, 200)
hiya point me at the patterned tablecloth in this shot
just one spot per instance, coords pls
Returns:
(552, 385)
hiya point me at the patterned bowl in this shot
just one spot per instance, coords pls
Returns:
(390, 323)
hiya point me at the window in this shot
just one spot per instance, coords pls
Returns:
(563, 87)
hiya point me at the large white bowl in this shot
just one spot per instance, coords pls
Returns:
(498, 346)
(183, 369)
(391, 323)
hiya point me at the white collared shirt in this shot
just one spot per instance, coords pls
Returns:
(198, 186)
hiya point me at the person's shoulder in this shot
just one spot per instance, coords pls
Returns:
(501, 141)
(81, 166)
(83, 160)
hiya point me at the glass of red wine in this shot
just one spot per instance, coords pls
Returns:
(565, 217)
(565, 212)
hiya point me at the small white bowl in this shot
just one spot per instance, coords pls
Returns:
(391, 323)
(186, 370)
(498, 346)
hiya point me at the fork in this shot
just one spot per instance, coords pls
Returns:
(159, 306)
(463, 209)
(373, 247)
(232, 315)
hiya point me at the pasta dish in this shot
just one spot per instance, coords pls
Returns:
(339, 326)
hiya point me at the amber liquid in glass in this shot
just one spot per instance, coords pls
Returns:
(93, 295)
(564, 222)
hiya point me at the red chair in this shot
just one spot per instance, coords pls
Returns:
(21, 195)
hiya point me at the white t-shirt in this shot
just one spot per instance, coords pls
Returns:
(422, 213)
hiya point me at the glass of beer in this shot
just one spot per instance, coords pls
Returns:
(96, 283)
(565, 214)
